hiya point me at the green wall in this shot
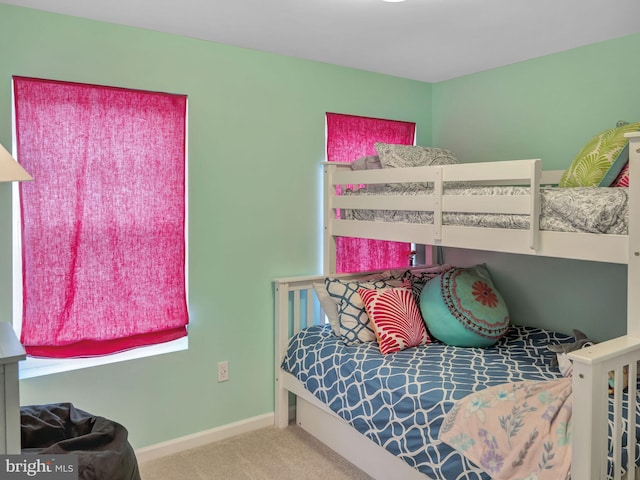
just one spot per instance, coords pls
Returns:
(545, 108)
(256, 137)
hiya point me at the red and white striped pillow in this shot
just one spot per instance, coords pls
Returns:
(622, 180)
(396, 318)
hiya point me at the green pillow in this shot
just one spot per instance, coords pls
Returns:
(600, 160)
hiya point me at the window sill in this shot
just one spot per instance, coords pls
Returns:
(36, 367)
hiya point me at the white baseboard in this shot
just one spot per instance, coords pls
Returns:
(159, 450)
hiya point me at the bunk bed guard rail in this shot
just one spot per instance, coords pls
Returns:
(518, 172)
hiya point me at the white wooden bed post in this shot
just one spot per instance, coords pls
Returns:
(633, 272)
(591, 365)
(329, 256)
(281, 413)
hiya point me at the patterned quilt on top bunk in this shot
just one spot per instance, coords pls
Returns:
(587, 209)
(401, 400)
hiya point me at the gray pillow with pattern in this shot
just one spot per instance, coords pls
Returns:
(398, 156)
(371, 162)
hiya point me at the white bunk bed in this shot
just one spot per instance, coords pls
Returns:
(591, 365)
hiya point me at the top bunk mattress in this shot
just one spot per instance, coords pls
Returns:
(580, 209)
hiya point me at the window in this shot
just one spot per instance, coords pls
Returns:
(350, 137)
(101, 228)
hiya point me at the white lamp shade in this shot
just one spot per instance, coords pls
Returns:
(10, 170)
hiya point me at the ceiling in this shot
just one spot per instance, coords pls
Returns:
(427, 40)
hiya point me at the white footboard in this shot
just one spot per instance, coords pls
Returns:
(591, 367)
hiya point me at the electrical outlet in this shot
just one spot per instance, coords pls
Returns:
(223, 371)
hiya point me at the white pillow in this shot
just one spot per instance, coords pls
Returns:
(329, 306)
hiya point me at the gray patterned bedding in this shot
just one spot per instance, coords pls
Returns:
(587, 210)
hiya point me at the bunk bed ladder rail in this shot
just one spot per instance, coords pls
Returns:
(592, 368)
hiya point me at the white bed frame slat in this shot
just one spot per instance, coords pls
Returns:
(631, 419)
(580, 246)
(345, 176)
(617, 420)
(518, 205)
(408, 203)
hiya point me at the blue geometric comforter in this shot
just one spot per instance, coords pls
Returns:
(400, 400)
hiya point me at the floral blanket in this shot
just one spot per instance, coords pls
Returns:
(515, 431)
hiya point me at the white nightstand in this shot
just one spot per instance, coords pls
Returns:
(11, 352)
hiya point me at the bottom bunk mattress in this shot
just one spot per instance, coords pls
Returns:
(401, 400)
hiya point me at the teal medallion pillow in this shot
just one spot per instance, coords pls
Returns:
(462, 307)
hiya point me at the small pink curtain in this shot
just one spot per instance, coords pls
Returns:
(350, 137)
(103, 221)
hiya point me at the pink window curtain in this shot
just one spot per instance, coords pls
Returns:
(350, 137)
(103, 222)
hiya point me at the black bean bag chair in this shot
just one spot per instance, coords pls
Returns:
(104, 453)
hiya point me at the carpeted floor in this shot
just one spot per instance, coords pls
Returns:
(266, 454)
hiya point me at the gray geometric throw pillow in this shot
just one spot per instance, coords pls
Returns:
(398, 156)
